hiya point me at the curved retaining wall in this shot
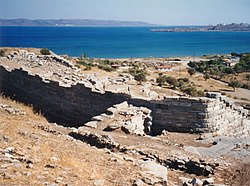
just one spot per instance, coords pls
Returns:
(75, 105)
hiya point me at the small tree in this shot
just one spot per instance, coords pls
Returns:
(172, 81)
(229, 70)
(45, 51)
(206, 76)
(191, 71)
(140, 77)
(235, 84)
(248, 77)
(192, 91)
(2, 53)
(161, 80)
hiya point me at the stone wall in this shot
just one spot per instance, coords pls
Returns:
(204, 114)
(75, 105)
(69, 106)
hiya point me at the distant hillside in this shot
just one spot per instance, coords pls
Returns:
(233, 27)
(70, 22)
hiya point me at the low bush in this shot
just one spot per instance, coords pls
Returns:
(140, 77)
(45, 51)
(107, 68)
(78, 66)
(186, 80)
(84, 63)
(2, 53)
(192, 91)
(87, 68)
(235, 84)
(161, 80)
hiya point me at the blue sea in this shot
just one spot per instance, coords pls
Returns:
(123, 42)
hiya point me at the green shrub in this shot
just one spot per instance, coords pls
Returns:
(2, 53)
(78, 66)
(161, 80)
(106, 68)
(206, 76)
(87, 68)
(235, 84)
(172, 81)
(45, 51)
(191, 71)
(134, 71)
(84, 63)
(186, 80)
(106, 62)
(140, 77)
(192, 91)
(200, 93)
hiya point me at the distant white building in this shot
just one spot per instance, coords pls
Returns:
(231, 61)
(163, 68)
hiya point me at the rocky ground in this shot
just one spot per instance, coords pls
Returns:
(35, 152)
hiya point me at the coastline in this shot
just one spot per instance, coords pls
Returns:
(124, 42)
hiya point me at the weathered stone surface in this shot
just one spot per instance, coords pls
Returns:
(9, 109)
(100, 141)
(196, 182)
(156, 170)
(134, 125)
(91, 124)
(112, 127)
(121, 106)
(138, 182)
(99, 182)
(97, 118)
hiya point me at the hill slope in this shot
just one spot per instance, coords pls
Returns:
(70, 22)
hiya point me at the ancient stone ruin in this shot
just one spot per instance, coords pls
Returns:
(76, 102)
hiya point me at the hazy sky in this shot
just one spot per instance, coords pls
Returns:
(166, 12)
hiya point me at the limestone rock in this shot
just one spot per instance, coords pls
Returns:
(138, 182)
(97, 118)
(111, 111)
(9, 109)
(91, 124)
(99, 182)
(196, 182)
(156, 170)
(208, 181)
(121, 106)
(112, 127)
(100, 141)
(135, 125)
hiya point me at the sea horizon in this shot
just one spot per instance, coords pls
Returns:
(124, 42)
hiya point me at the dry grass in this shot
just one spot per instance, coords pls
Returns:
(240, 77)
(28, 109)
(239, 175)
(76, 162)
(8, 50)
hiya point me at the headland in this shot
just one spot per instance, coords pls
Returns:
(233, 27)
